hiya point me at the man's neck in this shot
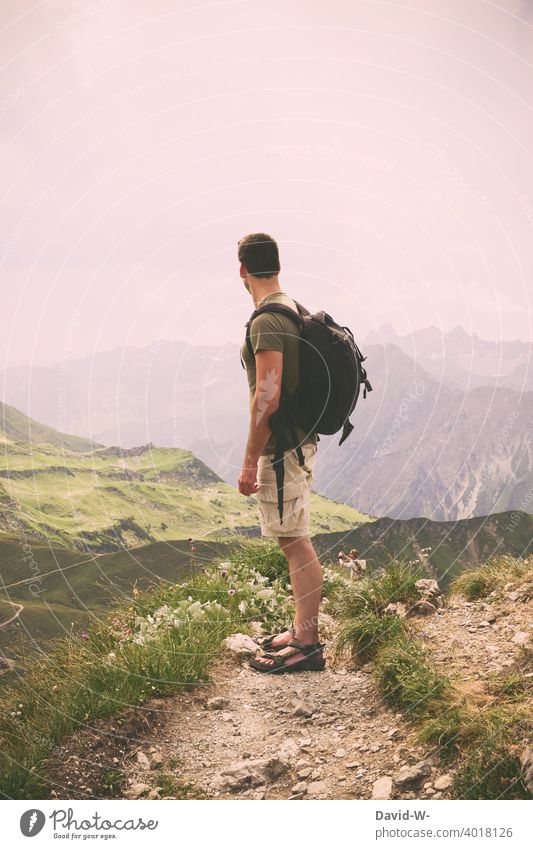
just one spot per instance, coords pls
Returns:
(262, 287)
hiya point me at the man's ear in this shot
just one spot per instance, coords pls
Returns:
(242, 270)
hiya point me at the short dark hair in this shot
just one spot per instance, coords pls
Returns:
(260, 255)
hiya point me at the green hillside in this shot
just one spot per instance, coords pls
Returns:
(14, 425)
(71, 587)
(109, 499)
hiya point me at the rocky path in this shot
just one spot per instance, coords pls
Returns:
(472, 642)
(324, 735)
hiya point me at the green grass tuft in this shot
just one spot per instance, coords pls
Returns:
(408, 679)
(491, 577)
(264, 556)
(365, 633)
(363, 625)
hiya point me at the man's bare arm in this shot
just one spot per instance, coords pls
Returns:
(269, 370)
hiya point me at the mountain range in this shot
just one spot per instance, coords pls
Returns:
(463, 359)
(445, 434)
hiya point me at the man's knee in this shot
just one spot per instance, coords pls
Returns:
(293, 543)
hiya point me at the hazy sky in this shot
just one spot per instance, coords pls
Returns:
(386, 145)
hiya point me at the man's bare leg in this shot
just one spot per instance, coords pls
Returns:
(306, 581)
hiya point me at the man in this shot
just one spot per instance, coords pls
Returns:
(273, 368)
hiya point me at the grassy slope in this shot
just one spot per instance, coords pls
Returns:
(16, 426)
(82, 585)
(106, 501)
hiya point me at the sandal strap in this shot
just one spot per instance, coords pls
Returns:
(282, 654)
(307, 648)
(262, 641)
(293, 648)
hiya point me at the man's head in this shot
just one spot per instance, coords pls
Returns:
(259, 256)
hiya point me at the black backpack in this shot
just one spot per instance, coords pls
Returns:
(331, 374)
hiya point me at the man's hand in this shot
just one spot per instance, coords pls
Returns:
(248, 480)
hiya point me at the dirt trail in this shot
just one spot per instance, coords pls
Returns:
(331, 731)
(327, 735)
(474, 641)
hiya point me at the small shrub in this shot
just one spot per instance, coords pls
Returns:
(363, 625)
(175, 788)
(489, 772)
(265, 557)
(365, 633)
(472, 585)
(335, 587)
(398, 582)
(513, 687)
(486, 740)
(444, 730)
(408, 678)
(492, 576)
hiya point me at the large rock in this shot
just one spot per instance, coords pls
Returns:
(382, 787)
(443, 781)
(522, 593)
(526, 760)
(241, 645)
(317, 790)
(241, 776)
(136, 791)
(289, 751)
(143, 761)
(422, 608)
(428, 587)
(156, 761)
(411, 777)
(301, 708)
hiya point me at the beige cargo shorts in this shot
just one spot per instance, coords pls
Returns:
(296, 494)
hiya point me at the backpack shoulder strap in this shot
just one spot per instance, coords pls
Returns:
(297, 317)
(301, 309)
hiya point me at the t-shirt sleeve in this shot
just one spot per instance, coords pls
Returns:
(267, 333)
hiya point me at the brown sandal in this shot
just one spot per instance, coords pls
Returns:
(313, 660)
(267, 642)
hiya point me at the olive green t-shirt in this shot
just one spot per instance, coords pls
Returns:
(275, 332)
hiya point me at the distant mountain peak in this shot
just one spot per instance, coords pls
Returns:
(459, 332)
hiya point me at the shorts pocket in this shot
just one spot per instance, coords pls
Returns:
(295, 517)
(297, 480)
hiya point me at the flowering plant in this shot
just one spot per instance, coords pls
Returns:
(186, 612)
(256, 597)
